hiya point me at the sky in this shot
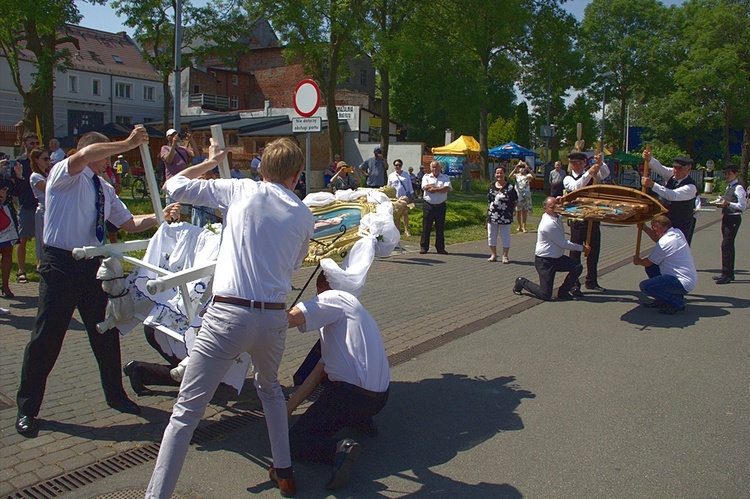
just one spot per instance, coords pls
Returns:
(103, 17)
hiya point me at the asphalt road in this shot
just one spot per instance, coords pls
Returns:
(595, 398)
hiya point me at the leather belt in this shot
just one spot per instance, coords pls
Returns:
(249, 303)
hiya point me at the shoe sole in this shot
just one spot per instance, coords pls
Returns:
(341, 477)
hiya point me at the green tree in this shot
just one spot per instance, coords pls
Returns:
(385, 20)
(633, 39)
(523, 132)
(552, 65)
(501, 130)
(580, 111)
(37, 28)
(320, 34)
(714, 78)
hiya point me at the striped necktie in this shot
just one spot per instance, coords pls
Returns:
(99, 208)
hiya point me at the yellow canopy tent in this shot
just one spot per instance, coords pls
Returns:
(465, 145)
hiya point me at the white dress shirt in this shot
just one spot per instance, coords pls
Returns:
(70, 216)
(351, 345)
(550, 238)
(741, 204)
(672, 255)
(680, 193)
(402, 184)
(56, 156)
(266, 234)
(571, 184)
(440, 181)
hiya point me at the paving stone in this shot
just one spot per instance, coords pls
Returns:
(27, 466)
(57, 456)
(49, 471)
(39, 441)
(77, 462)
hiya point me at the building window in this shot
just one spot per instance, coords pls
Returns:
(117, 59)
(233, 139)
(234, 102)
(363, 77)
(124, 90)
(96, 87)
(235, 80)
(196, 89)
(148, 93)
(73, 84)
(213, 73)
(123, 120)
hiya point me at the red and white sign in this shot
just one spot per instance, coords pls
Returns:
(306, 98)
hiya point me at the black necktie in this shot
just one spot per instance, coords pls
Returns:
(99, 209)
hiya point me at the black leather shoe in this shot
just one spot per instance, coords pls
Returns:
(671, 310)
(518, 286)
(26, 425)
(566, 295)
(723, 280)
(594, 286)
(125, 405)
(654, 304)
(722, 276)
(134, 375)
(442, 252)
(575, 292)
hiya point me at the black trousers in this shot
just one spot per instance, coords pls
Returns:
(578, 232)
(433, 213)
(547, 268)
(730, 224)
(64, 285)
(312, 439)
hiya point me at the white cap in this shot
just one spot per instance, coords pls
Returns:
(120, 156)
(171, 131)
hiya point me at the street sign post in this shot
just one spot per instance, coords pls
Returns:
(306, 103)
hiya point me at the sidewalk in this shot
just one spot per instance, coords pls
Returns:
(421, 302)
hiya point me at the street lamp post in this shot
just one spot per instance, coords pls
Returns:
(605, 76)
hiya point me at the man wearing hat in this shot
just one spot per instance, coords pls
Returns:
(678, 195)
(733, 203)
(374, 169)
(344, 178)
(578, 229)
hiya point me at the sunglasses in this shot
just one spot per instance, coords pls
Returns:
(33, 143)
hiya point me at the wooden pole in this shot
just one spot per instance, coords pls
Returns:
(218, 135)
(643, 189)
(153, 187)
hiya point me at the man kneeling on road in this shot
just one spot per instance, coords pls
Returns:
(670, 268)
(550, 257)
(355, 375)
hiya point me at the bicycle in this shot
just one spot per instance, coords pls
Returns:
(139, 186)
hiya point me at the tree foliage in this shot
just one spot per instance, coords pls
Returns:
(633, 39)
(36, 31)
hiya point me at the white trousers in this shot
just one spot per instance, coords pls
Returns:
(227, 331)
(492, 230)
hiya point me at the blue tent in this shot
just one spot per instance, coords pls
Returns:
(511, 150)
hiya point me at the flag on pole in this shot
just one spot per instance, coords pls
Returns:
(39, 131)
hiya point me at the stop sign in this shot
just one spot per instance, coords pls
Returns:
(306, 98)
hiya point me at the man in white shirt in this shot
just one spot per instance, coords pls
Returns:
(402, 183)
(678, 194)
(266, 236)
(670, 268)
(78, 204)
(550, 257)
(56, 153)
(578, 228)
(355, 375)
(435, 186)
(734, 202)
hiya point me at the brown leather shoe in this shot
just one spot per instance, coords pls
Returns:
(286, 485)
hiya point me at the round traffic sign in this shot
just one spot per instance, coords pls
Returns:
(306, 98)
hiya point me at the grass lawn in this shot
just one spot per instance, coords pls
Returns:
(464, 221)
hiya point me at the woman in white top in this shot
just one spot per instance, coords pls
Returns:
(40, 164)
(523, 176)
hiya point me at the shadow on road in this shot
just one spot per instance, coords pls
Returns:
(425, 424)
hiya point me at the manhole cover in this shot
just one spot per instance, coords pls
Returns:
(140, 493)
